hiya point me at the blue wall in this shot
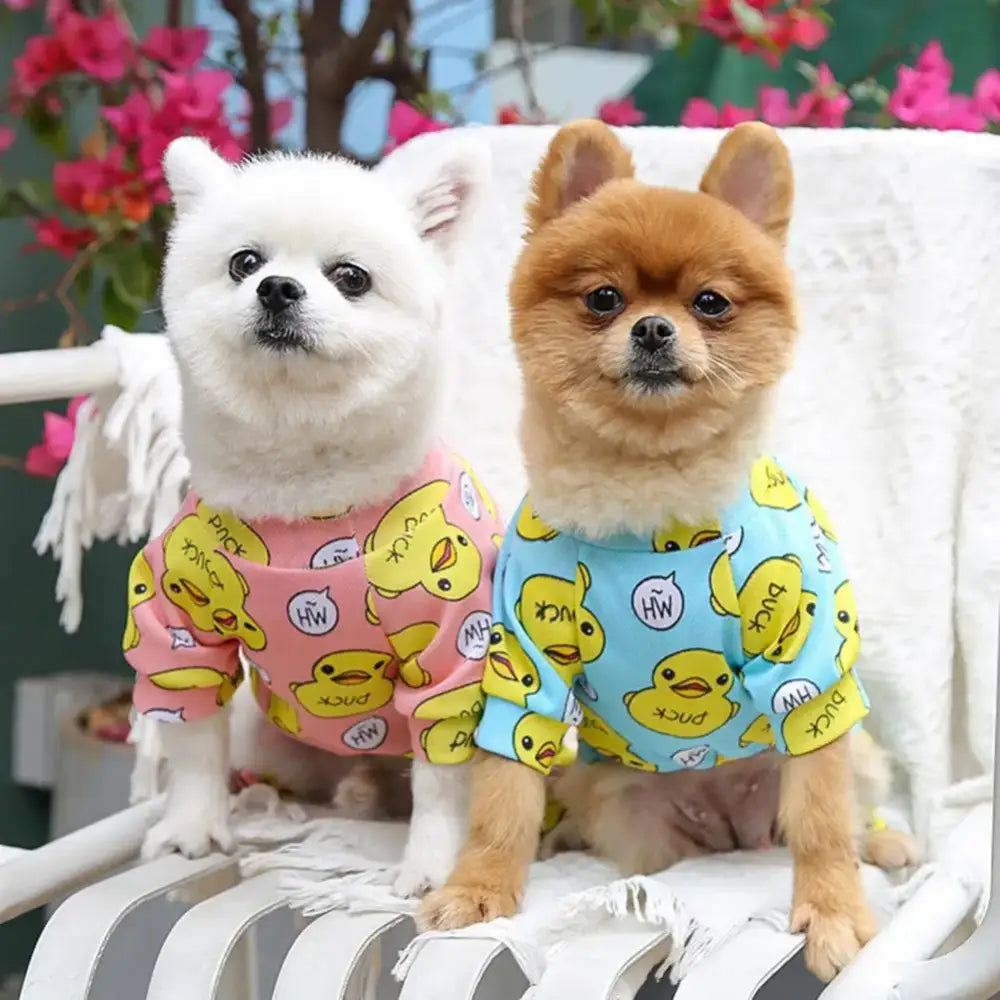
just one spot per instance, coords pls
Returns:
(456, 31)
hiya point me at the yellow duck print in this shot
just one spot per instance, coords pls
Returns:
(140, 590)
(824, 719)
(847, 625)
(793, 636)
(531, 527)
(279, 712)
(771, 487)
(509, 673)
(676, 536)
(539, 742)
(449, 739)
(723, 597)
(191, 678)
(759, 731)
(409, 643)
(414, 545)
(551, 612)
(768, 601)
(819, 513)
(688, 696)
(595, 732)
(350, 682)
(202, 582)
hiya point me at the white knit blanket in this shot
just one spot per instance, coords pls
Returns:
(892, 413)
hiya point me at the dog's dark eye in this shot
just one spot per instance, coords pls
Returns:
(353, 281)
(711, 304)
(605, 301)
(243, 263)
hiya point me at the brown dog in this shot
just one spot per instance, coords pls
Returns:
(682, 445)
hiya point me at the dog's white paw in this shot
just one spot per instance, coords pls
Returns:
(422, 871)
(189, 833)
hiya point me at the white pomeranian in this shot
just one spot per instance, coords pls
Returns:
(329, 538)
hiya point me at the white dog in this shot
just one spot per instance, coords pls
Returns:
(303, 297)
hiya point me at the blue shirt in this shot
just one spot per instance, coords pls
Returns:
(698, 645)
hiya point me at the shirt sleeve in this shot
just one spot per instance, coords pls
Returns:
(440, 642)
(184, 674)
(530, 708)
(799, 628)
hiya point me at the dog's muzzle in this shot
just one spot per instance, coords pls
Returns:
(653, 364)
(278, 328)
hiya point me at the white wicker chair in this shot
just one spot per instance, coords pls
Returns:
(211, 950)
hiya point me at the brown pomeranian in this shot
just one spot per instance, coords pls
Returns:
(667, 592)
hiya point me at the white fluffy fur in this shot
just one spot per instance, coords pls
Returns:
(286, 435)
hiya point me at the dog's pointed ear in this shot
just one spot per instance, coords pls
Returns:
(752, 171)
(583, 155)
(192, 167)
(441, 187)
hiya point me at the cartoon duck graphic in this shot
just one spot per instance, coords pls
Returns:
(768, 600)
(821, 720)
(771, 487)
(202, 582)
(595, 732)
(820, 515)
(140, 590)
(759, 731)
(509, 673)
(279, 712)
(688, 695)
(350, 682)
(414, 545)
(540, 742)
(676, 537)
(846, 622)
(199, 678)
(531, 527)
(793, 636)
(457, 712)
(409, 643)
(552, 613)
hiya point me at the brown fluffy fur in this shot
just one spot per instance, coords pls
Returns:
(683, 453)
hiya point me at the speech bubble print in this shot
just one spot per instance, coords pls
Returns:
(572, 713)
(470, 498)
(793, 693)
(335, 552)
(822, 554)
(313, 612)
(733, 540)
(586, 688)
(691, 756)
(368, 734)
(181, 638)
(474, 635)
(658, 602)
(164, 714)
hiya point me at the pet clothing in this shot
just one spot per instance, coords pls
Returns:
(689, 648)
(364, 630)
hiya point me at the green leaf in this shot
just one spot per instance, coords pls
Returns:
(51, 131)
(124, 315)
(25, 198)
(687, 34)
(749, 18)
(132, 278)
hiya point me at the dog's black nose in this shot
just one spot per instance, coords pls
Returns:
(653, 332)
(277, 293)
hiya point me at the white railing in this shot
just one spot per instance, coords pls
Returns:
(210, 951)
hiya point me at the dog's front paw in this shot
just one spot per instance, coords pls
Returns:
(457, 906)
(422, 870)
(188, 833)
(834, 935)
(891, 849)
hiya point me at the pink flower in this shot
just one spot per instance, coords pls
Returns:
(807, 31)
(280, 114)
(621, 112)
(85, 185)
(776, 108)
(730, 114)
(194, 99)
(406, 123)
(7, 136)
(932, 63)
(510, 114)
(987, 95)
(131, 118)
(826, 106)
(41, 60)
(99, 46)
(18, 4)
(178, 49)
(911, 99)
(957, 112)
(700, 113)
(58, 431)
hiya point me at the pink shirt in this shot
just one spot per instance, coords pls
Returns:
(367, 629)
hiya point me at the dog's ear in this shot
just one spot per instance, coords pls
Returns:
(583, 155)
(441, 186)
(752, 171)
(192, 167)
